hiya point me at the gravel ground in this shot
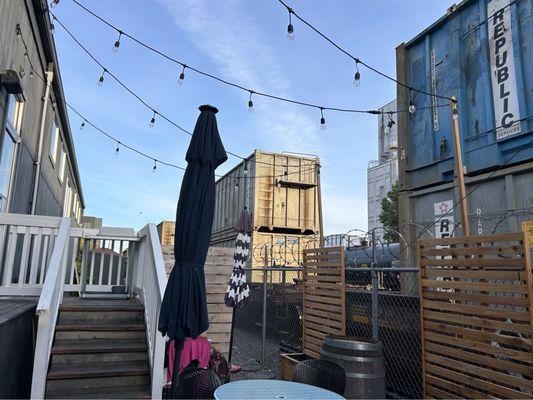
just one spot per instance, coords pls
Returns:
(247, 354)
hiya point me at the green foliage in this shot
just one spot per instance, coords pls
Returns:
(389, 216)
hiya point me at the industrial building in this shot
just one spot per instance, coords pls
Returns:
(383, 172)
(282, 194)
(38, 169)
(478, 52)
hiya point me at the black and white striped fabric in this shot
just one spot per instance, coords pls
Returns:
(238, 291)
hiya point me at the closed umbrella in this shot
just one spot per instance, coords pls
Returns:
(238, 291)
(184, 307)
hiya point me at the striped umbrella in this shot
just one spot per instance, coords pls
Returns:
(238, 292)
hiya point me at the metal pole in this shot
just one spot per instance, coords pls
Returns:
(178, 346)
(375, 309)
(319, 200)
(459, 167)
(263, 324)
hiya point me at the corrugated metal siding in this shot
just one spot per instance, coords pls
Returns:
(460, 46)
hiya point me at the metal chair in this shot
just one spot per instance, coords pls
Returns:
(198, 383)
(323, 374)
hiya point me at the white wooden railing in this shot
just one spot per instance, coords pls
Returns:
(149, 281)
(44, 256)
(48, 308)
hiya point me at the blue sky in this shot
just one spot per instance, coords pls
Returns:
(242, 41)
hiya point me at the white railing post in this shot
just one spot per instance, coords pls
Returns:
(151, 278)
(48, 308)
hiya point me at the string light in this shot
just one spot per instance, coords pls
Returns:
(54, 3)
(117, 149)
(412, 107)
(152, 121)
(236, 185)
(154, 169)
(322, 120)
(278, 183)
(82, 125)
(18, 32)
(245, 172)
(182, 75)
(455, 113)
(251, 103)
(52, 28)
(357, 76)
(390, 124)
(101, 79)
(290, 28)
(116, 46)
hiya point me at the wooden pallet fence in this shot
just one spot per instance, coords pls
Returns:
(217, 269)
(476, 317)
(324, 293)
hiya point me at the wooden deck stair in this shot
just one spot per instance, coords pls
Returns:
(99, 351)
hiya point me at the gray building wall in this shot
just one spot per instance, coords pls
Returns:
(51, 195)
(383, 172)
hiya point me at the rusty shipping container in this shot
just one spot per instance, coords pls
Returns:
(281, 194)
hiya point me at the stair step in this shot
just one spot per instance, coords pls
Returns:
(108, 315)
(85, 325)
(76, 304)
(92, 358)
(105, 382)
(97, 346)
(97, 370)
(121, 392)
(79, 334)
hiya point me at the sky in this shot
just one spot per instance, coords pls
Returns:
(241, 41)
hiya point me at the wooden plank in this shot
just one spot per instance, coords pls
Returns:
(474, 274)
(479, 310)
(479, 335)
(473, 239)
(23, 264)
(477, 298)
(475, 286)
(477, 322)
(324, 314)
(326, 321)
(435, 393)
(492, 388)
(472, 251)
(486, 360)
(324, 300)
(481, 372)
(472, 262)
(10, 257)
(461, 391)
(477, 346)
(35, 254)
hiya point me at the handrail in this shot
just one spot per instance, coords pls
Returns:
(152, 280)
(48, 308)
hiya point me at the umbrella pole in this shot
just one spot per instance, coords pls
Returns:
(178, 346)
(231, 335)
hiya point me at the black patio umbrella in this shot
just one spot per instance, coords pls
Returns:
(238, 291)
(184, 307)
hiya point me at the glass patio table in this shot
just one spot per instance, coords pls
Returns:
(271, 389)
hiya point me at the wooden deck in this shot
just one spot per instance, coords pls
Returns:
(11, 308)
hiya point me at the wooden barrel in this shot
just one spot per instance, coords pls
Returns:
(362, 360)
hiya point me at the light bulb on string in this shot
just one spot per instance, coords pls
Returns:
(245, 172)
(52, 28)
(54, 3)
(290, 28)
(250, 103)
(154, 169)
(101, 79)
(322, 120)
(390, 124)
(116, 46)
(357, 76)
(152, 121)
(455, 113)
(412, 107)
(31, 74)
(82, 125)
(182, 75)
(236, 184)
(18, 32)
(117, 149)
(278, 183)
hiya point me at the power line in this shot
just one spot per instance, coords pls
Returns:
(121, 143)
(251, 91)
(357, 60)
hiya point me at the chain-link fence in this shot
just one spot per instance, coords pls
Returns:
(383, 304)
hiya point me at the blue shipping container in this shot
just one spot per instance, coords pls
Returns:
(481, 52)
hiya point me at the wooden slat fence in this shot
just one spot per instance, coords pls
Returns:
(476, 317)
(324, 311)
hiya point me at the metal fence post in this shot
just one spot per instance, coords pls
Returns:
(263, 325)
(375, 309)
